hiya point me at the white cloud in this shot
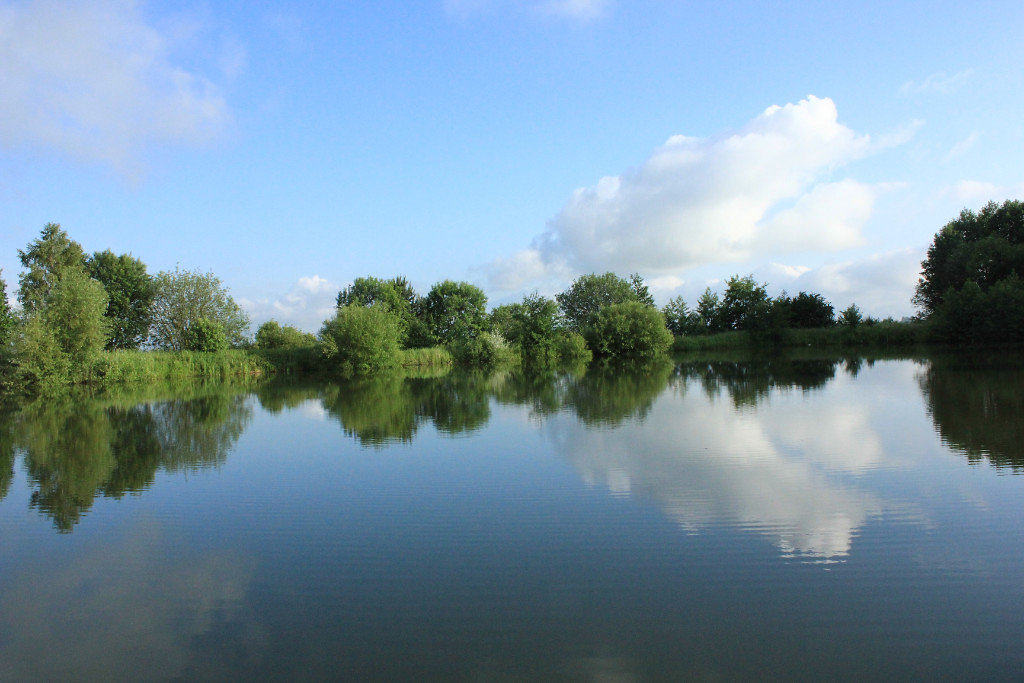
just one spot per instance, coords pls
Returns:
(881, 284)
(309, 302)
(939, 83)
(696, 202)
(963, 147)
(95, 81)
(978, 192)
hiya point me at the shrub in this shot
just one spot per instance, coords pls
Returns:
(204, 335)
(361, 340)
(629, 330)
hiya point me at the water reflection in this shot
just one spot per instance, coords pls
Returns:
(76, 447)
(977, 405)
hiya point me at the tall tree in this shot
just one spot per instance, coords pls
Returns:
(130, 290)
(590, 293)
(47, 260)
(185, 297)
(455, 311)
(7, 319)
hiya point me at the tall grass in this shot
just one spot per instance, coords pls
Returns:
(154, 366)
(433, 356)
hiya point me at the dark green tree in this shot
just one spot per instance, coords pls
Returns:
(810, 310)
(395, 295)
(8, 321)
(47, 260)
(679, 319)
(709, 310)
(589, 293)
(184, 297)
(130, 290)
(455, 311)
(745, 305)
(983, 247)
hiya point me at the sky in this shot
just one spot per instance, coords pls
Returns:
(289, 148)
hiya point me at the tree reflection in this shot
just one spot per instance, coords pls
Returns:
(751, 380)
(977, 405)
(77, 447)
(610, 395)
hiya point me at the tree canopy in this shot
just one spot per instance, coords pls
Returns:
(589, 293)
(183, 298)
(47, 260)
(455, 311)
(130, 290)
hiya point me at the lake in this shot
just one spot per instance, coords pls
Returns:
(798, 517)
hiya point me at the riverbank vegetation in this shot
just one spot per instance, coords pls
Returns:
(102, 318)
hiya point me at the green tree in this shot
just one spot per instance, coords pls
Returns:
(851, 317)
(273, 335)
(745, 305)
(205, 335)
(810, 310)
(130, 290)
(47, 260)
(397, 296)
(679, 319)
(983, 247)
(361, 340)
(8, 321)
(628, 330)
(455, 311)
(182, 298)
(589, 293)
(64, 336)
(709, 310)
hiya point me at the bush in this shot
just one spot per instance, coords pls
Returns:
(273, 335)
(629, 330)
(361, 340)
(204, 335)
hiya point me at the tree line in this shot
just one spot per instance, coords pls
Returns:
(75, 305)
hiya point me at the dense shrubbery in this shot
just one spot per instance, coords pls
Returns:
(273, 335)
(629, 330)
(361, 340)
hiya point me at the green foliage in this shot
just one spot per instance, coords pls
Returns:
(273, 335)
(205, 335)
(851, 317)
(8, 321)
(184, 297)
(679, 319)
(971, 314)
(745, 305)
(63, 337)
(425, 357)
(984, 247)
(395, 295)
(589, 293)
(455, 312)
(361, 340)
(487, 348)
(809, 310)
(629, 330)
(707, 309)
(130, 291)
(150, 367)
(48, 259)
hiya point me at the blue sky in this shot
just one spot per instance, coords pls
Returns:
(291, 147)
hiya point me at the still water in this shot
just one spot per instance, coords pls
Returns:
(712, 520)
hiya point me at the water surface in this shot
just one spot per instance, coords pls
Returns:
(717, 519)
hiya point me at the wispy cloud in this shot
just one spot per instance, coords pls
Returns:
(939, 83)
(96, 81)
(963, 147)
(572, 10)
(764, 189)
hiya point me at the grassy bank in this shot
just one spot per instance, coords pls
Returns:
(879, 335)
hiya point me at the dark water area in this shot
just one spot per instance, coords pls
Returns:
(799, 517)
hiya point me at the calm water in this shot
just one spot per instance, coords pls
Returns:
(811, 518)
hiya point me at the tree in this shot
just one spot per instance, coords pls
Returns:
(395, 295)
(205, 335)
(810, 310)
(130, 290)
(851, 317)
(983, 247)
(48, 259)
(455, 311)
(273, 335)
(589, 293)
(708, 308)
(361, 340)
(745, 305)
(8, 321)
(63, 337)
(182, 298)
(679, 319)
(628, 330)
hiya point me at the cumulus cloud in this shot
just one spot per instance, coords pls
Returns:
(881, 284)
(765, 188)
(939, 83)
(309, 302)
(95, 81)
